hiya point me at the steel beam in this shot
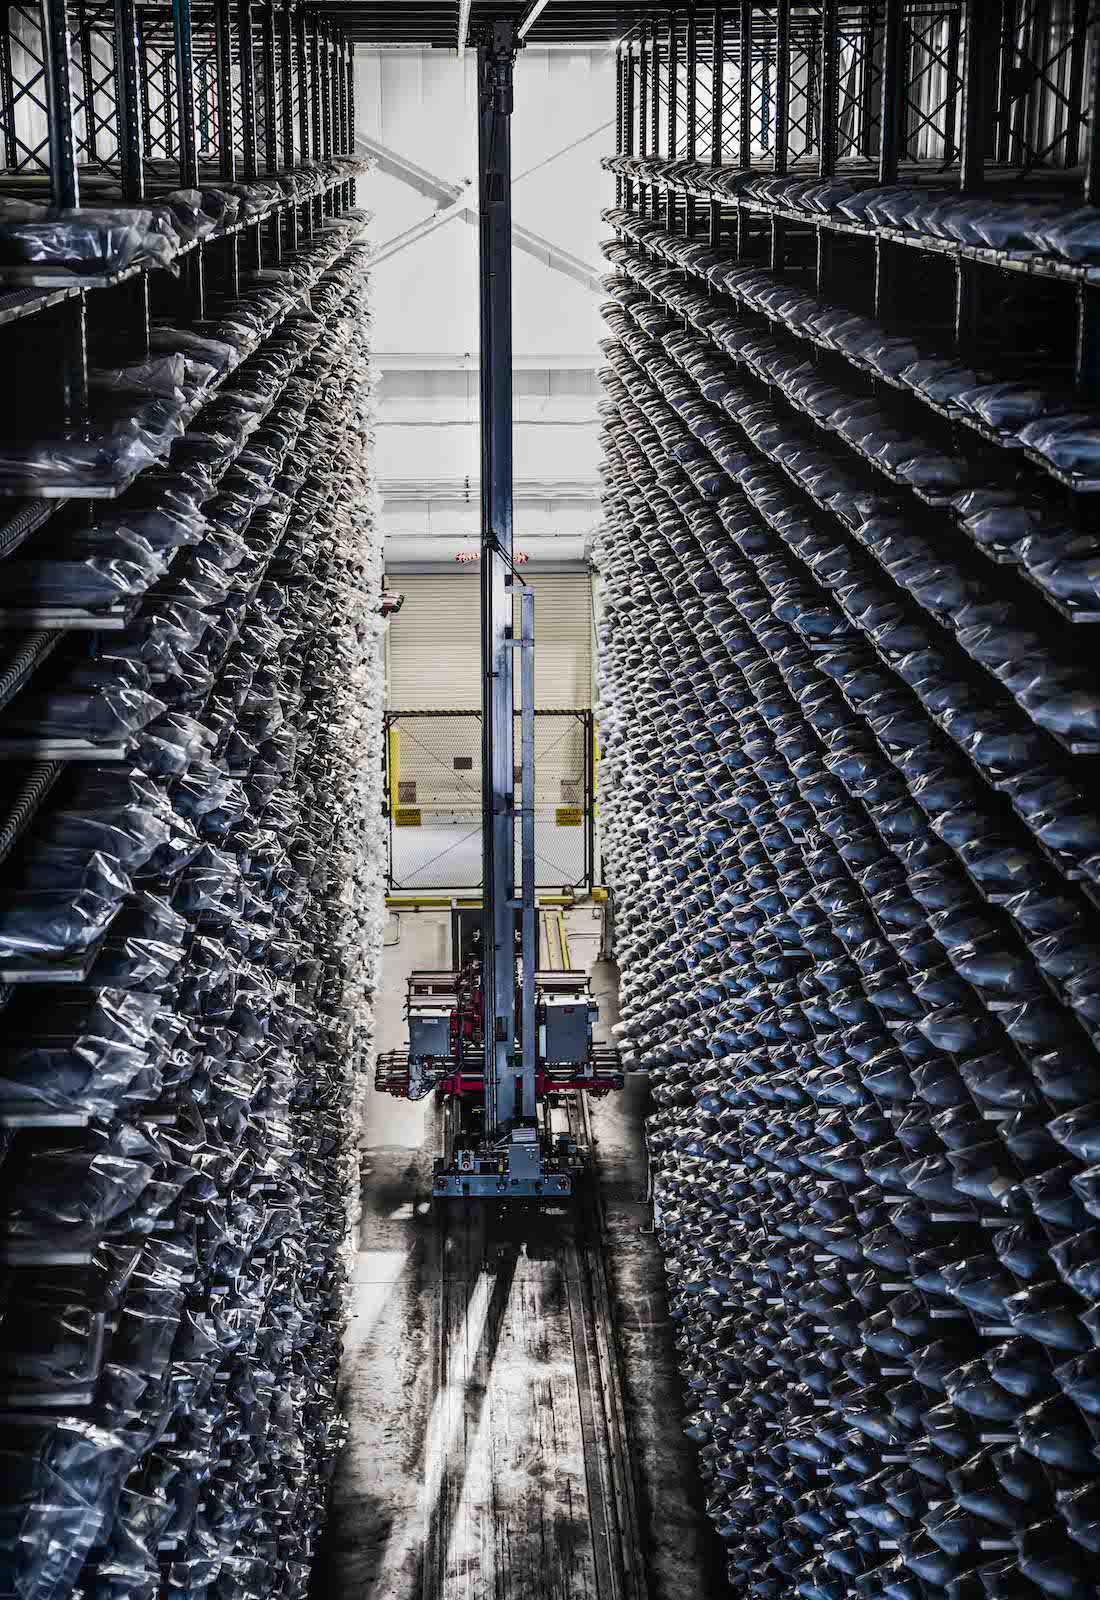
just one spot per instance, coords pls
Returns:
(495, 61)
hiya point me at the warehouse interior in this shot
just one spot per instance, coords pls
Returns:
(550, 834)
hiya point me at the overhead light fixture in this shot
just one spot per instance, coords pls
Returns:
(532, 17)
(463, 25)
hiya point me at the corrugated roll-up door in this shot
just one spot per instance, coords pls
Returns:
(435, 641)
(563, 639)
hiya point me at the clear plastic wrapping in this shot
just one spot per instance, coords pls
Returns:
(216, 1046)
(845, 836)
(84, 242)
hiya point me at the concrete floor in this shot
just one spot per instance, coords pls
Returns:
(462, 1478)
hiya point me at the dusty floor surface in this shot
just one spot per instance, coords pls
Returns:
(463, 1478)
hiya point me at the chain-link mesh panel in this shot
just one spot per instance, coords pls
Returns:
(433, 798)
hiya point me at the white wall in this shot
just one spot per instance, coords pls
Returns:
(422, 105)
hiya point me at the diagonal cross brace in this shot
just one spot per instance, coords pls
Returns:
(451, 199)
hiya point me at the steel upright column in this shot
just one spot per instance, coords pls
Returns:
(194, 264)
(246, 49)
(7, 110)
(64, 183)
(88, 85)
(744, 88)
(339, 93)
(270, 119)
(495, 61)
(168, 100)
(316, 146)
(655, 191)
(628, 121)
(717, 93)
(131, 77)
(643, 114)
(146, 74)
(619, 74)
(271, 87)
(286, 84)
(223, 45)
(1091, 195)
(691, 86)
(980, 43)
(744, 116)
(317, 204)
(328, 198)
(65, 192)
(131, 135)
(227, 135)
(673, 131)
(893, 103)
(305, 148)
(781, 145)
(350, 118)
(829, 68)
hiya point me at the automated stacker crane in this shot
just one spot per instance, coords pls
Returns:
(497, 1040)
(527, 1155)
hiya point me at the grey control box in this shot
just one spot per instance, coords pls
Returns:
(429, 1035)
(567, 1030)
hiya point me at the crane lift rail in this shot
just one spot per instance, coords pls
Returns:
(498, 1041)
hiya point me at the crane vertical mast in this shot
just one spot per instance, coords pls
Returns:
(504, 1090)
(496, 60)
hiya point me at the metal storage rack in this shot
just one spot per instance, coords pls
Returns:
(190, 582)
(850, 730)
